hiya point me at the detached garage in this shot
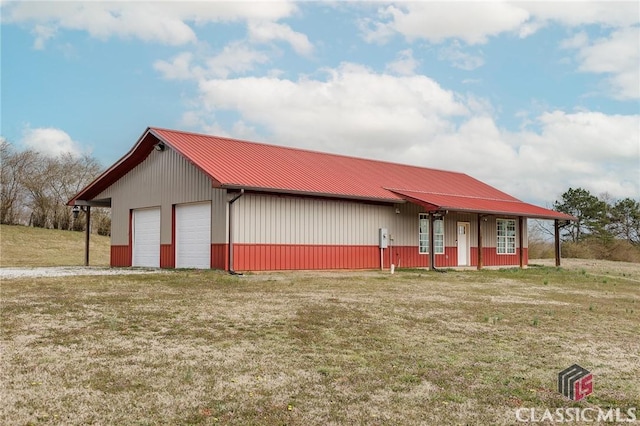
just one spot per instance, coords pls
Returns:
(186, 200)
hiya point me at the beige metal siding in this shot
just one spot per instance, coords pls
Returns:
(164, 178)
(265, 219)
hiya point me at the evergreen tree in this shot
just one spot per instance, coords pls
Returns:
(589, 211)
(625, 220)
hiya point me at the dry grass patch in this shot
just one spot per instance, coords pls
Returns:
(328, 348)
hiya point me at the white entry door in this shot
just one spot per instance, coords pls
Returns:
(464, 244)
(193, 235)
(146, 238)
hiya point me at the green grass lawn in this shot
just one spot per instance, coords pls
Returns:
(27, 246)
(417, 347)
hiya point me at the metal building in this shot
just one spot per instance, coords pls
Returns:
(188, 200)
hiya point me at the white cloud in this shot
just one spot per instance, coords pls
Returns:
(459, 58)
(591, 150)
(475, 22)
(50, 141)
(576, 13)
(162, 22)
(616, 55)
(179, 68)
(438, 21)
(405, 63)
(578, 41)
(42, 34)
(265, 32)
(353, 105)
(412, 119)
(235, 58)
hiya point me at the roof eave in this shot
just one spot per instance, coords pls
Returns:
(432, 207)
(87, 189)
(560, 216)
(284, 191)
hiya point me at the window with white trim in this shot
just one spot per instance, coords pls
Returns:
(506, 236)
(423, 235)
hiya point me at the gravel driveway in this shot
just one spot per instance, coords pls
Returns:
(64, 271)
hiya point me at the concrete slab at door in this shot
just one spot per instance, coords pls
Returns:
(146, 237)
(193, 235)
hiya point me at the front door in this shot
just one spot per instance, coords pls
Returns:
(463, 244)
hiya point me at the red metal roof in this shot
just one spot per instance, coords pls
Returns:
(510, 206)
(232, 163)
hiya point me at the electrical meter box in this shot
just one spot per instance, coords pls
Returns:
(383, 237)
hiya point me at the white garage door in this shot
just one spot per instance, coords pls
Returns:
(146, 238)
(193, 235)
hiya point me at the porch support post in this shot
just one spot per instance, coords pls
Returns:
(556, 229)
(521, 240)
(86, 236)
(480, 241)
(432, 254)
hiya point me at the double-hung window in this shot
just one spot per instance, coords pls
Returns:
(506, 236)
(423, 235)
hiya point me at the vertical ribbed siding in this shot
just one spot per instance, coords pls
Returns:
(265, 219)
(269, 219)
(164, 178)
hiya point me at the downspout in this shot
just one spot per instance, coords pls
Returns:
(231, 201)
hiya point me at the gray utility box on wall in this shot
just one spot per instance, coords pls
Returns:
(383, 239)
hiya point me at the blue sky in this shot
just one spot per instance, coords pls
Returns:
(530, 97)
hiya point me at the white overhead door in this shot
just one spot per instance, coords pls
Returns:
(146, 237)
(193, 235)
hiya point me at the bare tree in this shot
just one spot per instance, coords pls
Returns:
(35, 188)
(14, 168)
(69, 174)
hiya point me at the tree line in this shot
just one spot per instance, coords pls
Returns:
(605, 228)
(600, 218)
(34, 189)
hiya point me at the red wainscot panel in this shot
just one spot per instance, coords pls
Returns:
(490, 257)
(262, 257)
(120, 256)
(167, 256)
(408, 257)
(220, 256)
(265, 257)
